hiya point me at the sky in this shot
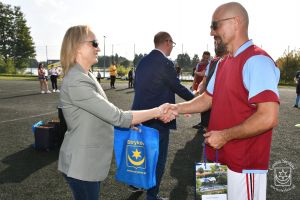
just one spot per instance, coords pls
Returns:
(129, 26)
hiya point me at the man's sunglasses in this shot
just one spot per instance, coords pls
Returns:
(215, 24)
(94, 43)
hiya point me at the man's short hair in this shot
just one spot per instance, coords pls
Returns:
(206, 53)
(161, 37)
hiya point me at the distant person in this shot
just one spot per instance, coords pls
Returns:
(86, 152)
(130, 78)
(297, 80)
(99, 76)
(156, 83)
(43, 78)
(53, 77)
(220, 51)
(113, 74)
(200, 70)
(199, 74)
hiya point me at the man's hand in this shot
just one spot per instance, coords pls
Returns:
(216, 139)
(168, 112)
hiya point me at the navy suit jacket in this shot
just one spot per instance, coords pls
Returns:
(156, 83)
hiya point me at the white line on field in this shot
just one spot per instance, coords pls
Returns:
(33, 116)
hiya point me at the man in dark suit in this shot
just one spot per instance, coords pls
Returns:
(156, 83)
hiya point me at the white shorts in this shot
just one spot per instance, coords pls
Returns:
(247, 186)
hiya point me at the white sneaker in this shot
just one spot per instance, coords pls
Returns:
(57, 90)
(48, 92)
(54, 90)
(42, 92)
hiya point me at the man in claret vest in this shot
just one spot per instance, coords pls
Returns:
(244, 99)
(200, 69)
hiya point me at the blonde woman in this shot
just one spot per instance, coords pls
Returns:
(86, 152)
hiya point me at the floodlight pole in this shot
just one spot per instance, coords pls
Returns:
(134, 57)
(287, 64)
(112, 53)
(104, 58)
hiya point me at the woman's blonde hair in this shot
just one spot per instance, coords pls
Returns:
(72, 39)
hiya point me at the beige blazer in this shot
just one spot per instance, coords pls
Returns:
(86, 151)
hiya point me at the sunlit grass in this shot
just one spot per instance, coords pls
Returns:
(30, 78)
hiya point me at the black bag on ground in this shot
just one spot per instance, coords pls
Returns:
(57, 137)
(44, 137)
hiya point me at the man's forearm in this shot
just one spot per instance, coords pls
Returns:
(264, 119)
(196, 105)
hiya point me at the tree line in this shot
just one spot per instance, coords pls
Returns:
(289, 64)
(16, 43)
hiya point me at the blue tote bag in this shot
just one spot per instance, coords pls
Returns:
(136, 154)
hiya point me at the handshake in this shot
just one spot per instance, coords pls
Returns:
(167, 112)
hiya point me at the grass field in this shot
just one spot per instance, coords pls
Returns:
(29, 174)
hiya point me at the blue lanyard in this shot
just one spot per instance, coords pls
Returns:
(204, 156)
